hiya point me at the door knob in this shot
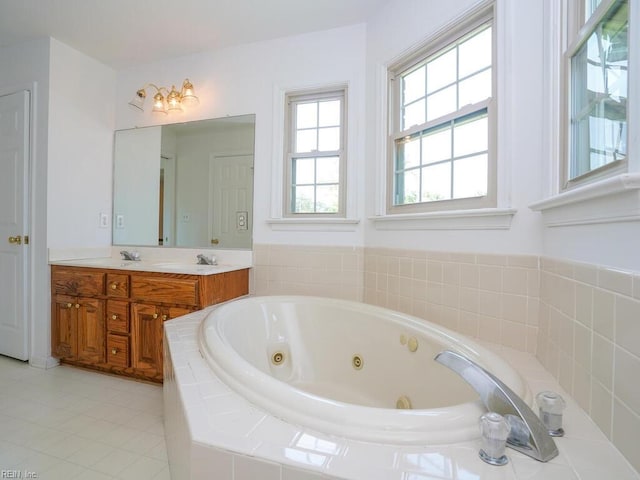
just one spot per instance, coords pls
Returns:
(215, 241)
(17, 240)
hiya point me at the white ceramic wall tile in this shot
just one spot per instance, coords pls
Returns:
(627, 324)
(625, 428)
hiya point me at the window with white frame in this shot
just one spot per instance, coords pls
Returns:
(315, 153)
(442, 122)
(597, 58)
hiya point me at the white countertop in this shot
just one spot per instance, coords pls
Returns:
(160, 266)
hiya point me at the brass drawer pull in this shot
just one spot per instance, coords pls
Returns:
(114, 351)
(114, 317)
(164, 317)
(69, 305)
(155, 315)
(114, 285)
(77, 305)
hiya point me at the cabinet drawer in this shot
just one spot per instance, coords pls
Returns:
(117, 285)
(118, 350)
(165, 290)
(77, 282)
(117, 316)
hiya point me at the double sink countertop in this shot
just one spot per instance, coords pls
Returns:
(159, 266)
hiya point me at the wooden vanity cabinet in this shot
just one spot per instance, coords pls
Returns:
(112, 320)
(146, 335)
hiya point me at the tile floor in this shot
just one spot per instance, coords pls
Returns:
(67, 423)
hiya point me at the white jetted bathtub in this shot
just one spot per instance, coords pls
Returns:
(348, 368)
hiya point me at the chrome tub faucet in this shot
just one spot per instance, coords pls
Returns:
(533, 438)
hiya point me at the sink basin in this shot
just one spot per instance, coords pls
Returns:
(107, 262)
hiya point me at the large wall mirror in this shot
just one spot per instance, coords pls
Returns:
(185, 185)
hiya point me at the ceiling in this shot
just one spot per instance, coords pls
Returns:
(122, 33)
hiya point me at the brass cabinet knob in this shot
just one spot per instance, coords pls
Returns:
(164, 317)
(114, 317)
(215, 241)
(114, 351)
(69, 305)
(155, 315)
(77, 305)
(114, 285)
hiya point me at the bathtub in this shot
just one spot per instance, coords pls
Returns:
(348, 369)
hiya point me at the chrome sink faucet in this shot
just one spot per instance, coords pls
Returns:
(204, 260)
(499, 398)
(135, 256)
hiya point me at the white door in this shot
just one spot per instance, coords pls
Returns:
(14, 181)
(231, 201)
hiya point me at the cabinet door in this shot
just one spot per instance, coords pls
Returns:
(146, 338)
(64, 328)
(91, 344)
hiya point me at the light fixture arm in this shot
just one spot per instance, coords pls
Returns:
(164, 99)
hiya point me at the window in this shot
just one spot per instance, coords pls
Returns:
(598, 60)
(441, 122)
(315, 154)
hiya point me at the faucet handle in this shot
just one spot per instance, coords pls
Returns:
(494, 429)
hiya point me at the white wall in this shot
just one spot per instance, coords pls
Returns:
(247, 79)
(136, 188)
(81, 124)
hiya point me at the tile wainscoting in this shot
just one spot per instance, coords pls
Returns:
(589, 339)
(581, 321)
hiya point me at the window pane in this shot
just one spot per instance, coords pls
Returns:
(303, 201)
(441, 103)
(436, 145)
(329, 113)
(303, 170)
(475, 53)
(599, 95)
(590, 7)
(471, 136)
(436, 182)
(475, 89)
(441, 71)
(306, 115)
(413, 86)
(413, 114)
(329, 139)
(408, 153)
(327, 199)
(306, 141)
(328, 169)
(408, 187)
(470, 177)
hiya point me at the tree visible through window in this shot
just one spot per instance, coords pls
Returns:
(599, 75)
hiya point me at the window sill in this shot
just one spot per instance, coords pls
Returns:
(616, 199)
(478, 219)
(313, 224)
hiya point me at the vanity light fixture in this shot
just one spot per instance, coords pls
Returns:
(173, 102)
